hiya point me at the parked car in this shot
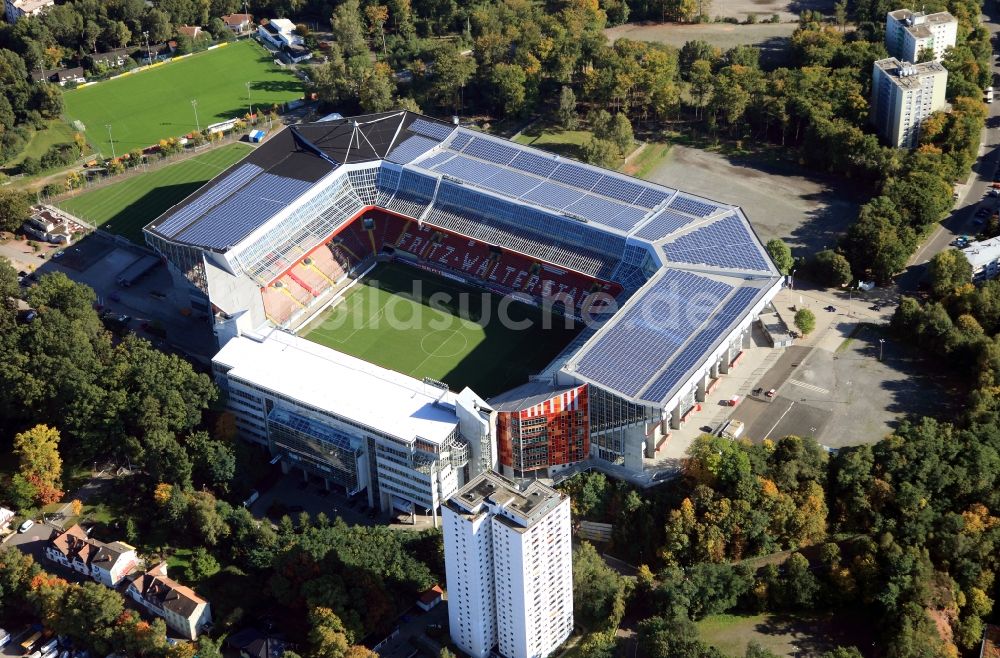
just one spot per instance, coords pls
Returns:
(830, 308)
(26, 526)
(4, 637)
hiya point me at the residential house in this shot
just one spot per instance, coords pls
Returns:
(252, 643)
(279, 33)
(112, 59)
(60, 77)
(14, 10)
(192, 31)
(430, 598)
(6, 516)
(991, 642)
(108, 564)
(238, 23)
(184, 611)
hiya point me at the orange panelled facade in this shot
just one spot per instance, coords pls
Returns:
(552, 432)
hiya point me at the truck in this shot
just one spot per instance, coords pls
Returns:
(732, 429)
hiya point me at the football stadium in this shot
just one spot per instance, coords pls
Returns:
(349, 266)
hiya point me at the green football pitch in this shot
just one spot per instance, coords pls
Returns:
(125, 207)
(154, 104)
(424, 325)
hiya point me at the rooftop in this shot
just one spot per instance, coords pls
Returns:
(527, 505)
(696, 263)
(335, 383)
(526, 395)
(31, 6)
(981, 254)
(907, 75)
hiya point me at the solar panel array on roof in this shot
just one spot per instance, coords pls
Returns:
(460, 141)
(436, 159)
(651, 330)
(534, 164)
(617, 188)
(512, 183)
(468, 169)
(487, 149)
(214, 195)
(411, 148)
(653, 197)
(694, 352)
(727, 242)
(576, 176)
(663, 224)
(553, 195)
(693, 206)
(251, 206)
(432, 129)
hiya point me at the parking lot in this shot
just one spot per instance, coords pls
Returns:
(96, 260)
(809, 212)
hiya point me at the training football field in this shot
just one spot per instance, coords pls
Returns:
(154, 104)
(125, 207)
(424, 325)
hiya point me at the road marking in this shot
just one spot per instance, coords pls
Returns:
(779, 419)
(811, 387)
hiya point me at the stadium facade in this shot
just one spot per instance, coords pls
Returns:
(672, 282)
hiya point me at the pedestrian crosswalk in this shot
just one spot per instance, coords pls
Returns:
(808, 386)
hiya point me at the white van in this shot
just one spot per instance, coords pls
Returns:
(989, 94)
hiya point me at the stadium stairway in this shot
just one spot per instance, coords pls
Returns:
(296, 277)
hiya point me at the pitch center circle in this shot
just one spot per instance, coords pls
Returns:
(460, 344)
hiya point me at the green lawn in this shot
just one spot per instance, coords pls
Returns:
(423, 335)
(150, 105)
(55, 132)
(125, 207)
(785, 635)
(568, 143)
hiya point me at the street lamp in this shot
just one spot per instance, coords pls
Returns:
(791, 280)
(881, 344)
(149, 53)
(111, 139)
(249, 101)
(194, 104)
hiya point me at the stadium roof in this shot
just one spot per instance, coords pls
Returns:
(343, 385)
(692, 268)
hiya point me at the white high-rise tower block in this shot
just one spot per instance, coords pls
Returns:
(509, 567)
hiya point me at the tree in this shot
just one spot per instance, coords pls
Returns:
(202, 565)
(379, 89)
(840, 14)
(37, 450)
(348, 27)
(452, 71)
(213, 462)
(15, 209)
(949, 271)
(88, 610)
(805, 321)
(831, 268)
(781, 254)
(601, 152)
(507, 82)
(620, 134)
(567, 115)
(77, 507)
(598, 591)
(327, 635)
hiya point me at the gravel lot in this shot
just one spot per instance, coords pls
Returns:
(807, 212)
